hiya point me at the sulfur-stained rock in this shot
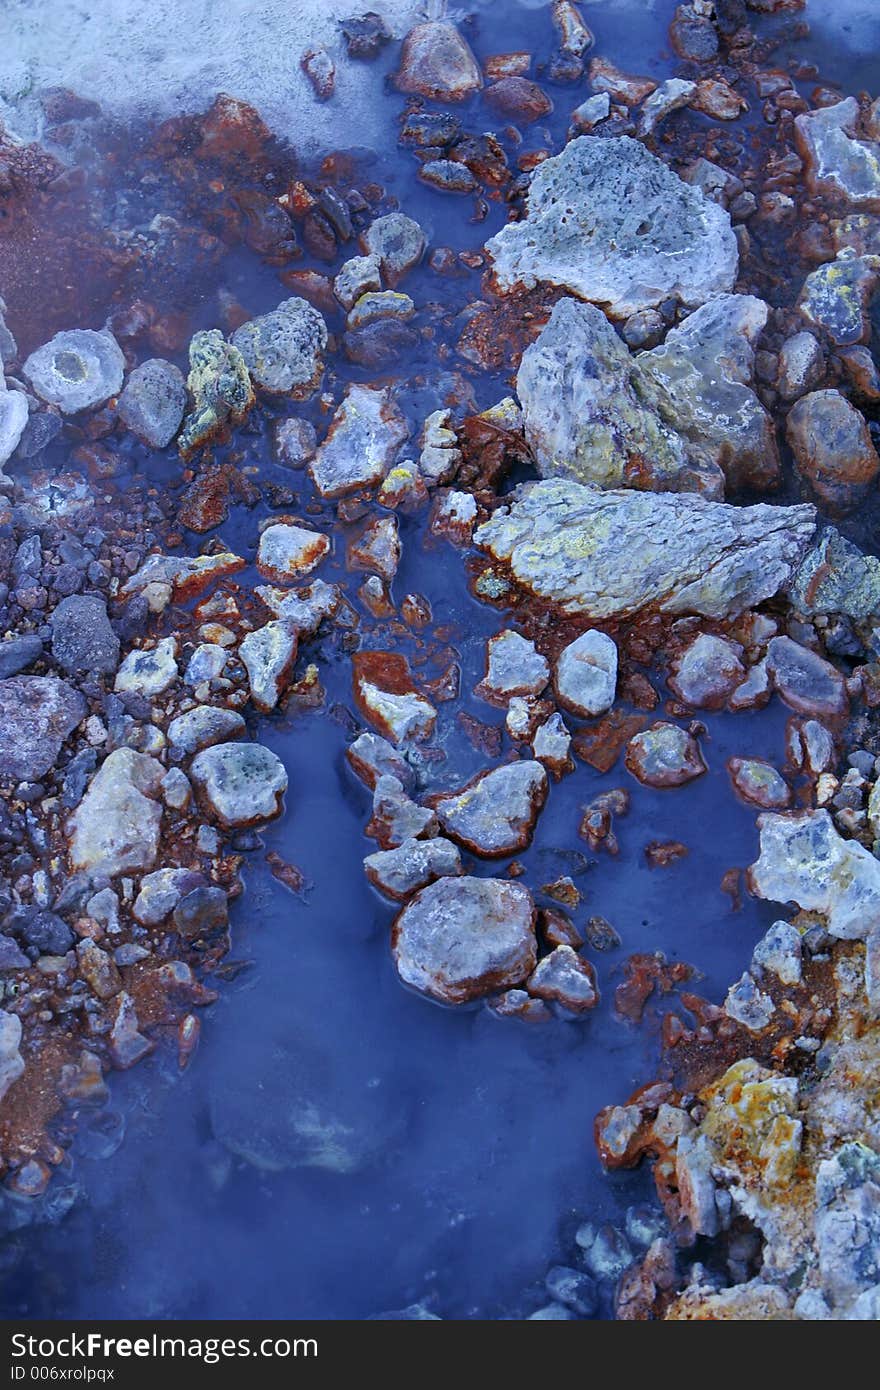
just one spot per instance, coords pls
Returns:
(183, 576)
(707, 672)
(436, 62)
(804, 860)
(614, 553)
(586, 674)
(664, 756)
(833, 449)
(806, 682)
(115, 828)
(287, 552)
(76, 370)
(838, 164)
(580, 232)
(358, 276)
(494, 815)
(269, 655)
(460, 938)
(36, 715)
(295, 442)
(513, 667)
(563, 978)
(413, 864)
(836, 297)
(283, 349)
(242, 783)
(220, 385)
(361, 444)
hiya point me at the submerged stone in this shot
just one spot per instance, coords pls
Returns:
(759, 783)
(397, 242)
(437, 62)
(362, 442)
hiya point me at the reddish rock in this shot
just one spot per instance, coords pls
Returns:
(759, 783)
(621, 86)
(664, 756)
(518, 99)
(833, 450)
(436, 62)
(565, 979)
(602, 745)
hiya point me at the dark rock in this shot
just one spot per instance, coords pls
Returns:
(692, 35)
(18, 654)
(202, 911)
(11, 957)
(36, 715)
(82, 638)
(518, 99)
(365, 35)
(377, 344)
(41, 428)
(41, 932)
(76, 777)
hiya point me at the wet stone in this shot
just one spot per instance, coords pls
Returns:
(127, 1043)
(564, 978)
(289, 552)
(804, 860)
(550, 744)
(220, 385)
(804, 680)
(746, 1004)
(82, 638)
(664, 756)
(153, 401)
(39, 931)
(759, 783)
(36, 715)
(833, 449)
(707, 672)
(283, 349)
(242, 783)
(386, 695)
(836, 297)
(413, 864)
(269, 654)
(149, 673)
(305, 608)
(494, 815)
(116, 826)
(295, 442)
(98, 969)
(364, 437)
(670, 96)
(372, 757)
(573, 1289)
(205, 725)
(359, 276)
(461, 938)
(837, 163)
(397, 242)
(377, 549)
(395, 817)
(159, 894)
(514, 667)
(518, 99)
(365, 35)
(586, 674)
(201, 912)
(437, 62)
(320, 69)
(76, 370)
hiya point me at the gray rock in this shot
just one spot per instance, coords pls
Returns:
(127, 1045)
(759, 783)
(436, 62)
(373, 757)
(358, 276)
(563, 978)
(747, 1005)
(40, 932)
(11, 957)
(207, 662)
(440, 455)
(115, 828)
(837, 164)
(288, 552)
(376, 549)
(13, 418)
(836, 297)
(176, 789)
(201, 912)
(149, 672)
(551, 743)
(586, 674)
(805, 861)
(361, 444)
(397, 242)
(160, 893)
(513, 667)
(400, 872)
(670, 96)
(206, 724)
(82, 638)
(11, 1061)
(801, 365)
(494, 815)
(848, 1225)
(269, 655)
(76, 370)
(153, 401)
(612, 554)
(573, 1289)
(395, 817)
(664, 756)
(460, 938)
(242, 783)
(779, 953)
(806, 682)
(36, 715)
(295, 442)
(707, 672)
(305, 608)
(18, 653)
(283, 349)
(613, 224)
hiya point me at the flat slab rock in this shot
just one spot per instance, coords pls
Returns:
(613, 554)
(36, 715)
(804, 860)
(611, 222)
(495, 814)
(461, 938)
(242, 783)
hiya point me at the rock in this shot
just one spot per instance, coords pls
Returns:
(754, 692)
(564, 978)
(18, 653)
(320, 69)
(41, 932)
(837, 164)
(127, 1045)
(377, 548)
(242, 783)
(362, 442)
(591, 112)
(36, 715)
(399, 872)
(693, 35)
(207, 663)
(518, 99)
(395, 817)
(176, 789)
(184, 576)
(397, 242)
(305, 608)
(586, 674)
(801, 366)
(288, 552)
(623, 87)
(832, 446)
(682, 246)
(805, 681)
(759, 783)
(76, 370)
(203, 726)
(98, 969)
(403, 488)
(835, 577)
(11, 957)
(707, 672)
(382, 304)
(575, 37)
(550, 745)
(460, 938)
(644, 329)
(384, 692)
(436, 62)
(295, 442)
(805, 861)
(440, 455)
(494, 815)
(612, 554)
(283, 349)
(359, 276)
(82, 638)
(220, 385)
(836, 297)
(160, 893)
(670, 96)
(11, 1061)
(201, 912)
(513, 667)
(373, 757)
(585, 417)
(573, 1289)
(151, 672)
(696, 1186)
(664, 756)
(115, 828)
(269, 655)
(365, 35)
(779, 953)
(153, 401)
(13, 418)
(847, 1228)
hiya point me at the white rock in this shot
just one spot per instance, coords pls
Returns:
(288, 552)
(115, 828)
(150, 672)
(586, 674)
(805, 861)
(241, 782)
